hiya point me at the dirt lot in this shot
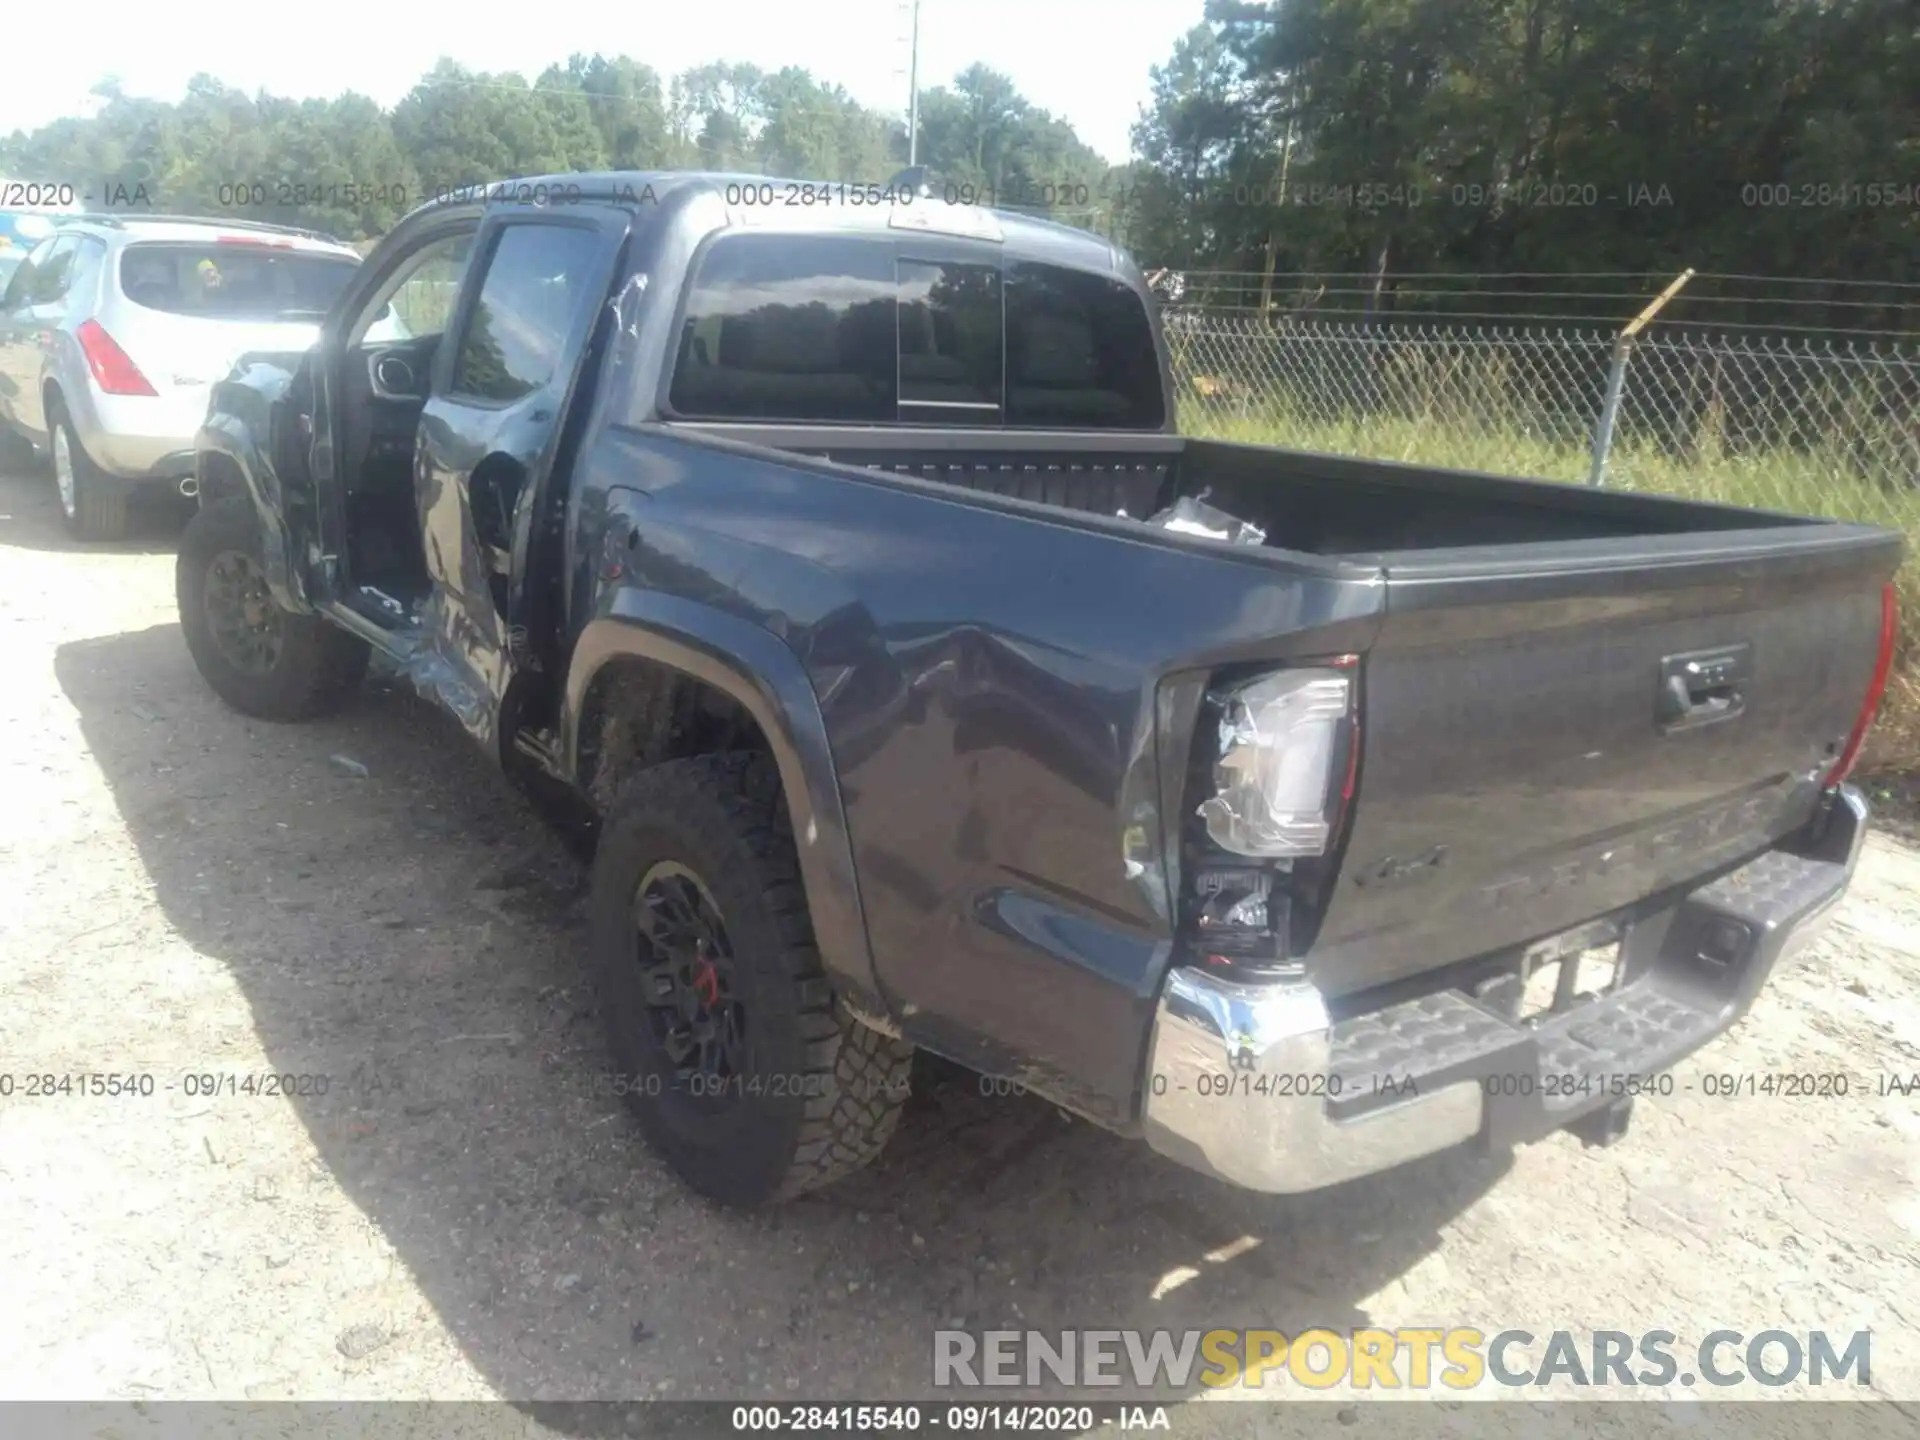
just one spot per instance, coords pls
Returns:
(461, 1216)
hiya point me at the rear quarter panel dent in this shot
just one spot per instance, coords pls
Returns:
(759, 671)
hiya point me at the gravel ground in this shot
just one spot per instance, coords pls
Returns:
(461, 1216)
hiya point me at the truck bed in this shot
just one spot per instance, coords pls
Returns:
(1308, 503)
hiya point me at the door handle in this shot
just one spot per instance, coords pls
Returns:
(1703, 686)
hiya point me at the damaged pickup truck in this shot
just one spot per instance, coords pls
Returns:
(846, 560)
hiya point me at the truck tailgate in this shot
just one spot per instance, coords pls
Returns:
(1552, 732)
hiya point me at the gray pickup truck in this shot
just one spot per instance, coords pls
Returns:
(837, 547)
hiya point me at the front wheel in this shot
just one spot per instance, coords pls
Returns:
(744, 1071)
(260, 659)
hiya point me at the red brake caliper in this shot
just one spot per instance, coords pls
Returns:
(706, 979)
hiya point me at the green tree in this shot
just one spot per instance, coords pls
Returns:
(625, 104)
(461, 127)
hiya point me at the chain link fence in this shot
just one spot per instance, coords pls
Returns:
(1780, 422)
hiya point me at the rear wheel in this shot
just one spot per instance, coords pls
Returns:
(260, 659)
(730, 1047)
(92, 502)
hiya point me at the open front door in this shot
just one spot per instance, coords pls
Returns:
(502, 390)
(354, 409)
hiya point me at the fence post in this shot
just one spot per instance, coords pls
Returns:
(1617, 378)
(1609, 411)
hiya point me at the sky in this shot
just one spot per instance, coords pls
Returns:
(1085, 60)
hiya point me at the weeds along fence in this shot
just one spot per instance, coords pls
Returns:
(1813, 425)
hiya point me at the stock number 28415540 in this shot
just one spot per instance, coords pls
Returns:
(43, 1085)
(783, 1419)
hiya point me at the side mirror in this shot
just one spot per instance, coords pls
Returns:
(386, 312)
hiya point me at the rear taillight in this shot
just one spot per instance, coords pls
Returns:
(1351, 664)
(256, 241)
(112, 370)
(1877, 687)
(1278, 773)
(1285, 765)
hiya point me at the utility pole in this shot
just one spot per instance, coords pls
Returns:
(913, 91)
(1273, 237)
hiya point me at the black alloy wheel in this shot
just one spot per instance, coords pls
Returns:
(241, 615)
(688, 980)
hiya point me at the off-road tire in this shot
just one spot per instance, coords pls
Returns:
(99, 512)
(318, 667)
(823, 1092)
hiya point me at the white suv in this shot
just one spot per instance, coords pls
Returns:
(114, 330)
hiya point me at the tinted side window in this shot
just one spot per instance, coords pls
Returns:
(514, 340)
(1080, 353)
(789, 327)
(951, 342)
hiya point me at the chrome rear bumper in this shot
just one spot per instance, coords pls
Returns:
(1237, 1088)
(1256, 1084)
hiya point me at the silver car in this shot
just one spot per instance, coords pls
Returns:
(114, 330)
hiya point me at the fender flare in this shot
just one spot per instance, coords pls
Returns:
(766, 678)
(234, 443)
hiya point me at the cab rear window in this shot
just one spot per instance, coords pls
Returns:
(219, 281)
(828, 330)
(1080, 353)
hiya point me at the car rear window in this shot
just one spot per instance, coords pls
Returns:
(227, 281)
(829, 330)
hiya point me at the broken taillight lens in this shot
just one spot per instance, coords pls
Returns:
(1877, 687)
(1287, 747)
(113, 371)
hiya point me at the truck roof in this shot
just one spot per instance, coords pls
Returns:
(1022, 235)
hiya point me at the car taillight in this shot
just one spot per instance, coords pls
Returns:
(256, 241)
(1281, 768)
(113, 371)
(1284, 741)
(1877, 687)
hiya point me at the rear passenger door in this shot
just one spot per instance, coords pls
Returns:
(505, 383)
